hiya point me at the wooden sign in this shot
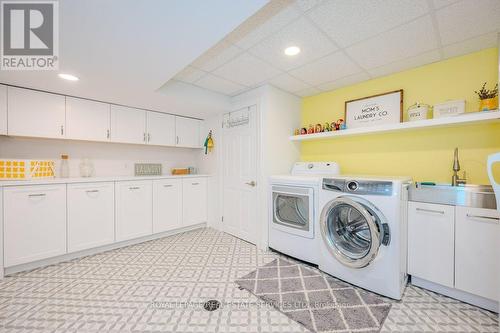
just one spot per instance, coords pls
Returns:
(375, 110)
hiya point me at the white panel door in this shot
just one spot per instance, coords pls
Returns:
(91, 215)
(240, 178)
(36, 114)
(87, 120)
(128, 125)
(194, 201)
(161, 129)
(34, 223)
(188, 132)
(431, 235)
(477, 263)
(167, 204)
(3, 109)
(134, 209)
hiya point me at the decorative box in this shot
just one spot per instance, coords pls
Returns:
(13, 169)
(448, 109)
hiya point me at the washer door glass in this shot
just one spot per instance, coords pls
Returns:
(291, 210)
(351, 231)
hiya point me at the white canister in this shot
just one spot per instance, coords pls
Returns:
(418, 112)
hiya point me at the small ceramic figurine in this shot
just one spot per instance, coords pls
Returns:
(303, 130)
(340, 124)
(318, 128)
(296, 131)
(326, 127)
(310, 130)
(334, 126)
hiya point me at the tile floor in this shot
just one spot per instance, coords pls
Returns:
(161, 285)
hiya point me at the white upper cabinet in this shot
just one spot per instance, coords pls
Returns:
(87, 120)
(128, 125)
(3, 109)
(477, 267)
(188, 132)
(36, 114)
(161, 129)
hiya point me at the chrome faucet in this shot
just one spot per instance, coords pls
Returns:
(455, 179)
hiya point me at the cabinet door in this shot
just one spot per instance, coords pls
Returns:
(194, 201)
(34, 222)
(128, 125)
(431, 242)
(87, 120)
(161, 129)
(188, 132)
(477, 266)
(133, 209)
(91, 215)
(36, 114)
(3, 110)
(167, 204)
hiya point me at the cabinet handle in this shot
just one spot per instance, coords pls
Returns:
(177, 140)
(144, 137)
(168, 185)
(195, 183)
(431, 211)
(496, 219)
(36, 195)
(134, 188)
(107, 133)
(149, 137)
(62, 129)
(92, 191)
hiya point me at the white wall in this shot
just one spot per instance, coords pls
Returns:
(110, 159)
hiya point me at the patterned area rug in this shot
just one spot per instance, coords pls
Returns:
(318, 301)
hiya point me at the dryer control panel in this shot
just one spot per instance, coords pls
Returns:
(358, 186)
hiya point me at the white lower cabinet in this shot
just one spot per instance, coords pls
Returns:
(477, 266)
(133, 206)
(431, 242)
(91, 215)
(194, 194)
(34, 223)
(167, 205)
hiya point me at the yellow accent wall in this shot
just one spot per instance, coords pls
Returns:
(424, 154)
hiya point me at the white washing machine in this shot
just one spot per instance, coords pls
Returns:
(294, 214)
(363, 234)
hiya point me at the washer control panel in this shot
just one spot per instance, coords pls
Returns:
(356, 186)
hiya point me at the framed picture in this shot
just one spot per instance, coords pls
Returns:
(381, 109)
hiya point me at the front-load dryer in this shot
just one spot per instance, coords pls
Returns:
(293, 215)
(363, 226)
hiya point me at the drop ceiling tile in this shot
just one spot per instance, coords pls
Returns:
(301, 33)
(264, 27)
(470, 45)
(305, 5)
(467, 19)
(345, 81)
(326, 69)
(216, 56)
(247, 70)
(404, 42)
(443, 3)
(308, 92)
(401, 65)
(348, 22)
(289, 83)
(190, 75)
(214, 83)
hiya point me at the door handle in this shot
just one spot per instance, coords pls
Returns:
(252, 183)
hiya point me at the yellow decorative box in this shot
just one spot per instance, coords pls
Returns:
(26, 169)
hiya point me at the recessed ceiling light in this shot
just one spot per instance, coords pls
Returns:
(292, 50)
(68, 77)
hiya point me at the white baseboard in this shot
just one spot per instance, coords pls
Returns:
(84, 253)
(463, 296)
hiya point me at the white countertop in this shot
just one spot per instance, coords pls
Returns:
(90, 179)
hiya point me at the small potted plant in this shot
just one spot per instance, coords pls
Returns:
(488, 99)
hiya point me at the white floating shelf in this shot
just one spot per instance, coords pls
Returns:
(464, 119)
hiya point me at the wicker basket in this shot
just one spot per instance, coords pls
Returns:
(12, 169)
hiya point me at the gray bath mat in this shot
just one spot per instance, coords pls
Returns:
(318, 301)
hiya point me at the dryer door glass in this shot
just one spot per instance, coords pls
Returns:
(291, 210)
(351, 231)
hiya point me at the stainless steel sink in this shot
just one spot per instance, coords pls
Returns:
(478, 196)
